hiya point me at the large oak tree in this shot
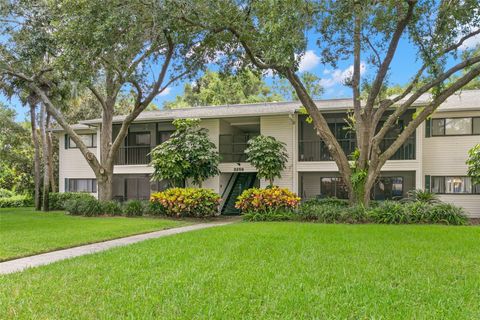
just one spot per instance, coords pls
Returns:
(274, 36)
(105, 47)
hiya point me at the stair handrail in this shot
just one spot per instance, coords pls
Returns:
(228, 188)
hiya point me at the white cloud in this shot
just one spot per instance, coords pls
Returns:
(338, 76)
(471, 43)
(268, 73)
(309, 61)
(165, 92)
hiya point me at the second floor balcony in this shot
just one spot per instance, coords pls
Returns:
(312, 148)
(133, 155)
(232, 147)
(316, 150)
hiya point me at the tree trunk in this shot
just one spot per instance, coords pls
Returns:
(323, 130)
(36, 157)
(46, 169)
(105, 186)
(53, 186)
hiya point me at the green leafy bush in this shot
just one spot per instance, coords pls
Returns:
(420, 195)
(266, 200)
(327, 213)
(330, 201)
(187, 154)
(133, 208)
(4, 193)
(268, 155)
(188, 202)
(390, 212)
(274, 215)
(16, 201)
(58, 200)
(112, 208)
(386, 212)
(448, 213)
(88, 207)
(155, 209)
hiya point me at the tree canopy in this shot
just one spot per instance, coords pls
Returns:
(217, 88)
(473, 163)
(356, 31)
(16, 153)
(57, 49)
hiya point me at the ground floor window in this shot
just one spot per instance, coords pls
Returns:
(136, 186)
(453, 185)
(81, 185)
(333, 187)
(385, 188)
(389, 186)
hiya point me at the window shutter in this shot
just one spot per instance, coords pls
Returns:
(65, 187)
(66, 141)
(428, 126)
(427, 183)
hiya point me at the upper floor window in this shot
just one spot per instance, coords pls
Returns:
(139, 139)
(163, 136)
(455, 126)
(90, 140)
(453, 185)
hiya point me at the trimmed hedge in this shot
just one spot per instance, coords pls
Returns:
(187, 202)
(58, 200)
(16, 201)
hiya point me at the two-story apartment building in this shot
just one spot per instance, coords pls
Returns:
(433, 158)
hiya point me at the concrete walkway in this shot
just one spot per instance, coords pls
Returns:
(50, 257)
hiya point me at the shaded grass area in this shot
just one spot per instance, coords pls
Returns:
(263, 271)
(25, 232)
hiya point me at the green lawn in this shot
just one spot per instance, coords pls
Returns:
(263, 271)
(25, 232)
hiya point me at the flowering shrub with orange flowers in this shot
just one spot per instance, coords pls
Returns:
(267, 200)
(187, 202)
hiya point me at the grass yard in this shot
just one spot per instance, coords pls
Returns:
(25, 232)
(263, 271)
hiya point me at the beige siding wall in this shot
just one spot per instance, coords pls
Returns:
(281, 128)
(213, 126)
(446, 156)
(72, 164)
(469, 202)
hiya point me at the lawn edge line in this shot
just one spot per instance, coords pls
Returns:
(92, 242)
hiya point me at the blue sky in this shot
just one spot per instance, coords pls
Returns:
(403, 67)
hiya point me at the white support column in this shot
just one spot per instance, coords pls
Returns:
(420, 134)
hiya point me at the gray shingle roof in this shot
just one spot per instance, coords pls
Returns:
(227, 111)
(466, 100)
